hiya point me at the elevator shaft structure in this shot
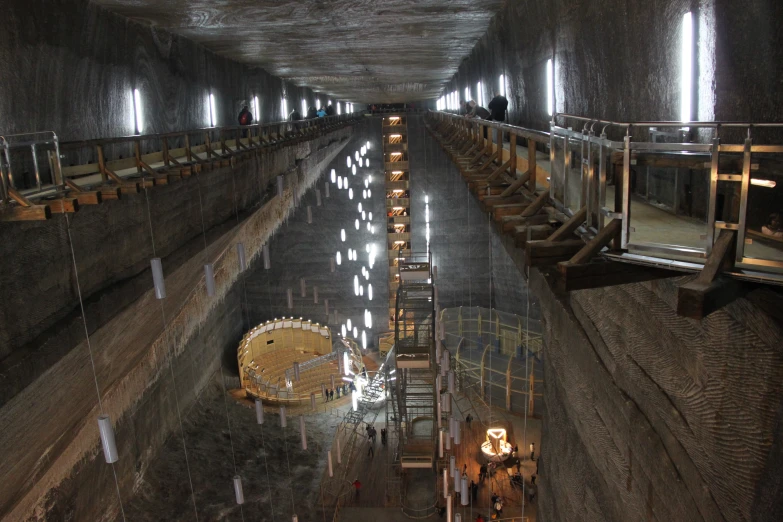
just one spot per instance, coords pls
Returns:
(414, 390)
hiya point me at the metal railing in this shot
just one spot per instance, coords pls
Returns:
(723, 177)
(87, 163)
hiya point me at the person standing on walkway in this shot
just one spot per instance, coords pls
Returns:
(371, 450)
(357, 486)
(326, 396)
(497, 107)
(383, 436)
(533, 451)
(482, 472)
(331, 395)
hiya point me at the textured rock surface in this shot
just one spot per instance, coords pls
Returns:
(50, 441)
(652, 416)
(355, 50)
(70, 66)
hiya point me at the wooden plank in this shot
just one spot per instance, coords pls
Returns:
(84, 197)
(569, 226)
(63, 205)
(21, 213)
(542, 253)
(513, 209)
(531, 233)
(500, 170)
(606, 273)
(602, 239)
(518, 184)
(512, 222)
(19, 198)
(113, 193)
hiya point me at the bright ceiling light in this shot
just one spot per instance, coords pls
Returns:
(342, 234)
(338, 258)
(350, 193)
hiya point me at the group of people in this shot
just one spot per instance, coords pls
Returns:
(344, 389)
(312, 113)
(495, 111)
(371, 434)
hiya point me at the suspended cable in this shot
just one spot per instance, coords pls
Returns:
(89, 348)
(222, 376)
(171, 363)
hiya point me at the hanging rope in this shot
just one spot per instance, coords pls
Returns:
(89, 347)
(171, 364)
(222, 376)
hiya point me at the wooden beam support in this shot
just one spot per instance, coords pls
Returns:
(513, 209)
(543, 253)
(510, 223)
(541, 200)
(19, 198)
(569, 226)
(595, 245)
(606, 273)
(84, 197)
(22, 213)
(531, 233)
(518, 184)
(705, 294)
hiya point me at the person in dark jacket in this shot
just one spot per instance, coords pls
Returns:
(330, 110)
(245, 116)
(477, 111)
(312, 113)
(497, 107)
(294, 116)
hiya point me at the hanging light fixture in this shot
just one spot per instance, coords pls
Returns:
(359, 207)
(309, 215)
(326, 189)
(364, 340)
(356, 285)
(296, 371)
(355, 332)
(267, 262)
(338, 258)
(318, 197)
(326, 308)
(290, 299)
(240, 496)
(329, 463)
(369, 292)
(356, 223)
(369, 216)
(350, 193)
(283, 422)
(315, 295)
(259, 411)
(280, 185)
(334, 176)
(340, 183)
(209, 279)
(107, 439)
(302, 432)
(241, 257)
(361, 162)
(353, 170)
(348, 323)
(369, 193)
(342, 236)
(356, 155)
(157, 278)
(348, 161)
(302, 287)
(343, 331)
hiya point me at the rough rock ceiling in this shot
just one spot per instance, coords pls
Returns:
(357, 50)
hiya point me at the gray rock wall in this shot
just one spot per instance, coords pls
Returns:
(652, 416)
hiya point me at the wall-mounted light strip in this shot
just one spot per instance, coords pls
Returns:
(137, 111)
(479, 94)
(686, 73)
(212, 111)
(467, 94)
(502, 84)
(256, 109)
(304, 108)
(550, 87)
(284, 108)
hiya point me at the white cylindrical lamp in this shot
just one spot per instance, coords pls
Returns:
(157, 278)
(107, 439)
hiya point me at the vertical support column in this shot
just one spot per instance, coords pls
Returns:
(626, 192)
(746, 156)
(531, 163)
(713, 195)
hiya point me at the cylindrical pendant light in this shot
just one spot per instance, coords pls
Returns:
(323, 390)
(296, 371)
(451, 381)
(238, 489)
(283, 421)
(333, 176)
(290, 299)
(241, 257)
(435, 272)
(157, 278)
(329, 462)
(340, 183)
(326, 307)
(309, 215)
(440, 414)
(446, 360)
(107, 439)
(464, 495)
(332, 264)
(457, 432)
(315, 295)
(332, 379)
(280, 185)
(259, 411)
(209, 279)
(457, 483)
(445, 483)
(267, 262)
(457, 517)
(302, 287)
(451, 426)
(317, 197)
(339, 455)
(302, 432)
(452, 465)
(447, 441)
(326, 190)
(440, 443)
(312, 400)
(294, 518)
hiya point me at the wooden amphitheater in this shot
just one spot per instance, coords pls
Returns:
(269, 353)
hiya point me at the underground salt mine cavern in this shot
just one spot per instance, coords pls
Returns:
(351, 260)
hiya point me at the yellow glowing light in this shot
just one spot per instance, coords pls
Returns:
(395, 135)
(768, 183)
(396, 153)
(396, 172)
